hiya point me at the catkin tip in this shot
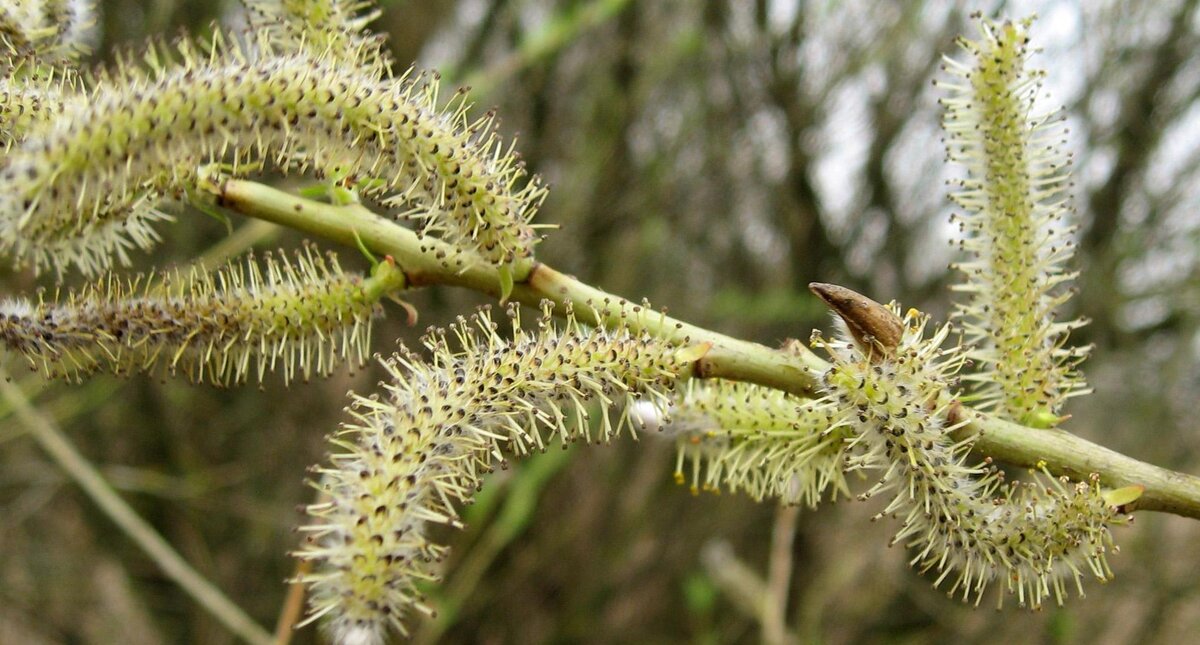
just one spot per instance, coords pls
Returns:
(411, 455)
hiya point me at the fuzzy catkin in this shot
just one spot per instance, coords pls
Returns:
(301, 316)
(325, 27)
(421, 447)
(82, 186)
(752, 439)
(964, 522)
(1015, 205)
(45, 31)
(26, 100)
(38, 76)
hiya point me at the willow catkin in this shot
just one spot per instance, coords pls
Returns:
(325, 27)
(43, 32)
(1016, 204)
(27, 100)
(82, 187)
(418, 449)
(755, 440)
(301, 316)
(963, 521)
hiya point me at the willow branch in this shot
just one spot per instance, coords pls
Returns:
(797, 370)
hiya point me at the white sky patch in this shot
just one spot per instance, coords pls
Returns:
(844, 143)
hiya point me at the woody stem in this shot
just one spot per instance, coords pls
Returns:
(797, 370)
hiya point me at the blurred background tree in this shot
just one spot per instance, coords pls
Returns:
(713, 156)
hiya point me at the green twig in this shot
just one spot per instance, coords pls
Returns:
(797, 370)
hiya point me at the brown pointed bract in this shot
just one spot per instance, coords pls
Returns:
(872, 325)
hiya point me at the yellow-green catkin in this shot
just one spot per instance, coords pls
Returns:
(1015, 205)
(47, 32)
(39, 42)
(964, 523)
(26, 100)
(301, 316)
(82, 187)
(415, 451)
(325, 27)
(756, 440)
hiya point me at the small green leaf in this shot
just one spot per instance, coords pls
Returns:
(315, 191)
(693, 353)
(1123, 496)
(1043, 418)
(505, 274)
